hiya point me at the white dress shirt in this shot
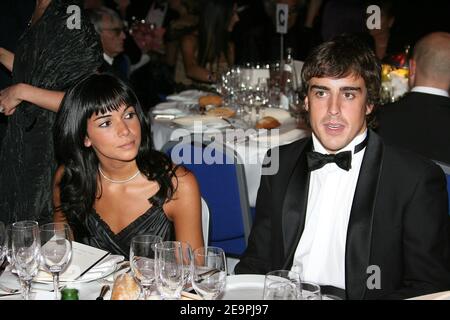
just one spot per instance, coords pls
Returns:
(430, 90)
(320, 253)
(108, 59)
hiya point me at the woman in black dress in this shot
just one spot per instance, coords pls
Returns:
(111, 184)
(50, 57)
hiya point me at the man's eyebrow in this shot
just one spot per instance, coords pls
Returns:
(317, 87)
(350, 89)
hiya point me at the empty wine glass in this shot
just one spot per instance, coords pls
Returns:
(56, 250)
(142, 261)
(2, 241)
(169, 269)
(26, 252)
(210, 272)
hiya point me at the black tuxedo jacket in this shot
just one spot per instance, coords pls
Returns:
(398, 222)
(419, 122)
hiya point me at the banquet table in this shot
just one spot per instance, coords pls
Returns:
(252, 147)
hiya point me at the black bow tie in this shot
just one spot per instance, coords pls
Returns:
(317, 160)
(342, 159)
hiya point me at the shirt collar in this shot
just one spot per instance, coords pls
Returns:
(430, 90)
(318, 147)
(108, 59)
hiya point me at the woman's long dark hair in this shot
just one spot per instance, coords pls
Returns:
(100, 93)
(213, 35)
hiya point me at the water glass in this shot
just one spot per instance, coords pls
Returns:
(282, 285)
(142, 262)
(310, 291)
(26, 252)
(2, 241)
(210, 272)
(56, 250)
(169, 268)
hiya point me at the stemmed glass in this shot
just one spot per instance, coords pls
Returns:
(210, 272)
(26, 252)
(142, 261)
(2, 241)
(282, 285)
(56, 250)
(169, 268)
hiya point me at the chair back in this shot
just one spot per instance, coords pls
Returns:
(221, 177)
(205, 222)
(446, 168)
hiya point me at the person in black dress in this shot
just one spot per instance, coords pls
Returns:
(49, 58)
(111, 184)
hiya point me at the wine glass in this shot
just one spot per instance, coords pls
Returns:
(2, 241)
(26, 252)
(169, 268)
(210, 272)
(142, 261)
(56, 250)
(310, 291)
(282, 285)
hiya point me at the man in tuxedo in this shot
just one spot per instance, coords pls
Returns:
(110, 28)
(420, 121)
(362, 219)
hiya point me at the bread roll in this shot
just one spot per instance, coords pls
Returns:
(214, 100)
(222, 112)
(125, 288)
(267, 123)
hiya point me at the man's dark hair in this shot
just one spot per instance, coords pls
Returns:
(340, 57)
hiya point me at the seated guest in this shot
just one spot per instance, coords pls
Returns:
(420, 121)
(111, 184)
(110, 28)
(362, 219)
(208, 51)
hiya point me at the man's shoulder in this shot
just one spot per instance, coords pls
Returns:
(408, 163)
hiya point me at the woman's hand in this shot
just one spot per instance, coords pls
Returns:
(10, 98)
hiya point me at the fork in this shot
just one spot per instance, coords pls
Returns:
(8, 290)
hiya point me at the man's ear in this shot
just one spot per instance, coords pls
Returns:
(87, 142)
(306, 104)
(369, 109)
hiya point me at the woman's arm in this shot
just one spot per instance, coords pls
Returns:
(12, 96)
(185, 209)
(7, 58)
(58, 215)
(191, 67)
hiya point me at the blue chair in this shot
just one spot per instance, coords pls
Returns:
(446, 168)
(221, 177)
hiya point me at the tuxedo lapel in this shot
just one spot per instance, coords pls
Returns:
(359, 230)
(294, 205)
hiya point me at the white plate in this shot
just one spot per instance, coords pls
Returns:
(188, 96)
(201, 123)
(244, 287)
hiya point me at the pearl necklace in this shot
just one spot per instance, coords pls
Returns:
(118, 181)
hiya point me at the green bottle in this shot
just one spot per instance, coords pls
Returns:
(69, 294)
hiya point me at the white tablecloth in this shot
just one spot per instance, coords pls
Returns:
(251, 150)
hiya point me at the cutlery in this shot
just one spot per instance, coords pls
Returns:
(103, 291)
(8, 290)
